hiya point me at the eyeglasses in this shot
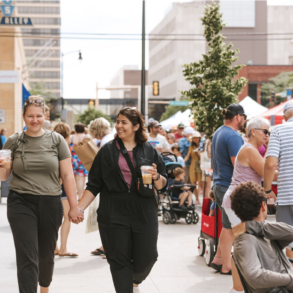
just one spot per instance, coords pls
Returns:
(36, 101)
(243, 115)
(265, 131)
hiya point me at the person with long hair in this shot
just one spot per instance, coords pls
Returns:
(127, 213)
(195, 173)
(34, 209)
(64, 130)
(79, 170)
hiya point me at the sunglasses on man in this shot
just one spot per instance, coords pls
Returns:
(265, 131)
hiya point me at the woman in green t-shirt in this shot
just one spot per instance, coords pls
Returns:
(34, 209)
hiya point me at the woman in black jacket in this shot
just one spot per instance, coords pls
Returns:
(127, 217)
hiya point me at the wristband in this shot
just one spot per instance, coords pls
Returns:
(159, 176)
(269, 191)
(81, 210)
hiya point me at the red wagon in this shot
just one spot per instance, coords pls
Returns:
(211, 228)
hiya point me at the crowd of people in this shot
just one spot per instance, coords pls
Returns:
(45, 168)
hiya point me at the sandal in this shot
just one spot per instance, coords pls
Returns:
(104, 257)
(98, 252)
(56, 252)
(70, 254)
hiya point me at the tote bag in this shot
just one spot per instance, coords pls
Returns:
(86, 152)
(205, 161)
(92, 219)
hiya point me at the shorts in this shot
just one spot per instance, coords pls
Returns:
(219, 192)
(285, 214)
(63, 195)
(234, 220)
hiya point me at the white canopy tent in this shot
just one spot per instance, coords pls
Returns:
(179, 117)
(251, 107)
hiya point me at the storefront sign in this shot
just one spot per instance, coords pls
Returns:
(9, 76)
(16, 21)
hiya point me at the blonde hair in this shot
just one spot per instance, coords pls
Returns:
(99, 128)
(63, 129)
(47, 125)
(36, 97)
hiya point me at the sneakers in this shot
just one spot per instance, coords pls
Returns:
(183, 207)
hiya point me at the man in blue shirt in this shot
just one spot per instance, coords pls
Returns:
(225, 145)
(184, 146)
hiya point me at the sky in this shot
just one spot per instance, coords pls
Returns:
(103, 58)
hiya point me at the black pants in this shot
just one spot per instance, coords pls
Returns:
(34, 221)
(129, 232)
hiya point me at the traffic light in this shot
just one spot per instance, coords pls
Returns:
(156, 88)
(273, 95)
(92, 103)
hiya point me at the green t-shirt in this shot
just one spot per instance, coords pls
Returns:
(41, 156)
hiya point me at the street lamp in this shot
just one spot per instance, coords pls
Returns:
(62, 70)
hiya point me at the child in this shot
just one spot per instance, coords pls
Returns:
(176, 151)
(177, 191)
(213, 205)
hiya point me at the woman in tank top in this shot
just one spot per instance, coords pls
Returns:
(249, 163)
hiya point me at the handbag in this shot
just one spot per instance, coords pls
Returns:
(205, 161)
(92, 219)
(86, 152)
(146, 190)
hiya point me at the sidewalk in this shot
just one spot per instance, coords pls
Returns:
(179, 268)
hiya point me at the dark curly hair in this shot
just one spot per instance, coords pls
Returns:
(246, 200)
(227, 114)
(135, 118)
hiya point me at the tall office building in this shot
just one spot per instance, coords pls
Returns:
(45, 15)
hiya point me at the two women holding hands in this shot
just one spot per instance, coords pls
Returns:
(127, 213)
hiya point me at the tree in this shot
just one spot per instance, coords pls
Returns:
(171, 110)
(91, 114)
(39, 88)
(213, 77)
(277, 84)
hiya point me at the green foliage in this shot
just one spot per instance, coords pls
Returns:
(277, 84)
(39, 88)
(171, 110)
(91, 114)
(213, 77)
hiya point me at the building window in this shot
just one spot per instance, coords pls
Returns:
(39, 42)
(252, 91)
(40, 31)
(38, 10)
(48, 64)
(30, 53)
(52, 21)
(49, 85)
(46, 74)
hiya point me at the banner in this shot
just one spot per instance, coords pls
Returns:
(25, 94)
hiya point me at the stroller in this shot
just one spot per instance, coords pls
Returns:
(211, 228)
(170, 204)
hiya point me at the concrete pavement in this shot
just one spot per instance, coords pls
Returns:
(179, 268)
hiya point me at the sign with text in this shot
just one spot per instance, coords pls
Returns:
(8, 2)
(7, 10)
(9, 76)
(179, 103)
(16, 21)
(2, 116)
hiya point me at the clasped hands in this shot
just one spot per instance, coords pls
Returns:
(76, 215)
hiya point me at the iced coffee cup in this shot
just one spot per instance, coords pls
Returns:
(146, 176)
(6, 156)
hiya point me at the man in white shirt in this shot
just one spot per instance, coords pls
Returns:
(157, 140)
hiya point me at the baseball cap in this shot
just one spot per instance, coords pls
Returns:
(189, 130)
(181, 125)
(236, 109)
(154, 123)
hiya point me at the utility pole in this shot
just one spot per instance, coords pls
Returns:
(143, 62)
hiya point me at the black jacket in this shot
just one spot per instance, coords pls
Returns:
(105, 175)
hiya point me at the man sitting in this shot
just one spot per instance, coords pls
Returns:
(258, 244)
